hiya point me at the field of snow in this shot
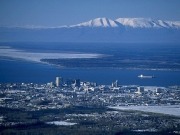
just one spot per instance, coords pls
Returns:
(61, 123)
(31, 56)
(170, 109)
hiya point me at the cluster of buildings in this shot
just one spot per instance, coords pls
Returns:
(73, 92)
(59, 82)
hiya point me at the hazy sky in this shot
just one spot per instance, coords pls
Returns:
(67, 12)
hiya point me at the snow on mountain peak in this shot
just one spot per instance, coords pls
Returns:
(98, 22)
(129, 22)
(136, 22)
(147, 23)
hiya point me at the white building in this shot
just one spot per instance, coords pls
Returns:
(57, 81)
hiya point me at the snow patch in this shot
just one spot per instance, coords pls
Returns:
(166, 109)
(36, 57)
(62, 123)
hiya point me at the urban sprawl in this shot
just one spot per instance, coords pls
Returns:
(73, 92)
(85, 106)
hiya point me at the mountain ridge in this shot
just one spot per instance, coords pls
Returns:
(125, 30)
(130, 22)
(104, 22)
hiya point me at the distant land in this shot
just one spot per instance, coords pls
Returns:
(124, 30)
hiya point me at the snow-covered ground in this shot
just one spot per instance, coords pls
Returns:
(61, 123)
(169, 109)
(36, 56)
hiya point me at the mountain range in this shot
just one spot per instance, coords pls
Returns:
(129, 22)
(128, 30)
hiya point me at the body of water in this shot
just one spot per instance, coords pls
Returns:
(103, 63)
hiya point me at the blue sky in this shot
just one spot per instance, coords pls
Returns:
(67, 12)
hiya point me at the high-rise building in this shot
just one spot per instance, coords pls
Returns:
(77, 82)
(140, 89)
(57, 81)
(115, 84)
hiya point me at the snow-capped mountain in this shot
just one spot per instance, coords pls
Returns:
(129, 22)
(98, 22)
(147, 23)
(133, 30)
(137, 22)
